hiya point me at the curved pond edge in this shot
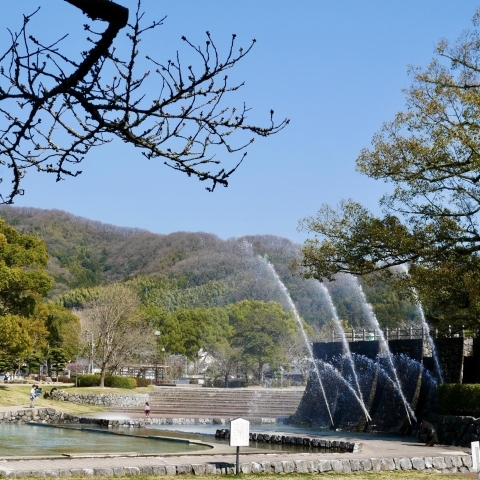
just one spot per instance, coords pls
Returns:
(221, 460)
(122, 433)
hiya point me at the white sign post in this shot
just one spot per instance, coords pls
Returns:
(475, 455)
(239, 436)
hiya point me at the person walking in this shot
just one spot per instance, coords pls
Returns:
(147, 410)
(33, 396)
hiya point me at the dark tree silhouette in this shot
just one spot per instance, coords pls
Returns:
(56, 108)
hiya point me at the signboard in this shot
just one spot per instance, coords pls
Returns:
(239, 433)
(475, 455)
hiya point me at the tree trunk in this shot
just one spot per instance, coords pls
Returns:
(102, 377)
(260, 373)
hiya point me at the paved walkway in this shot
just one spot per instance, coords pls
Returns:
(222, 459)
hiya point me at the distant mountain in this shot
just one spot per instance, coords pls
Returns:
(183, 269)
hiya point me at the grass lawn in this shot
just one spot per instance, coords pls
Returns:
(12, 394)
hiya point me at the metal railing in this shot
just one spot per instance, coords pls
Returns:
(406, 333)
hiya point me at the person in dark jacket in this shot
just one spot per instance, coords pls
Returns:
(427, 433)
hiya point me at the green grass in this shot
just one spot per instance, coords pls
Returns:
(17, 395)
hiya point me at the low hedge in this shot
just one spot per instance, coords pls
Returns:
(143, 382)
(459, 399)
(111, 381)
(88, 380)
(120, 382)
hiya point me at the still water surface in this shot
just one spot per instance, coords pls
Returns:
(25, 440)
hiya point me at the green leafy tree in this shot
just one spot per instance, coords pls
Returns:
(261, 331)
(57, 359)
(187, 331)
(15, 342)
(430, 155)
(63, 329)
(23, 285)
(23, 279)
(33, 363)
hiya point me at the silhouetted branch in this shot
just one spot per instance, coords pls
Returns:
(56, 108)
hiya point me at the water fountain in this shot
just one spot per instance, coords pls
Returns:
(426, 330)
(389, 377)
(385, 349)
(346, 349)
(318, 365)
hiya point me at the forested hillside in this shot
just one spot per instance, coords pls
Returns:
(186, 270)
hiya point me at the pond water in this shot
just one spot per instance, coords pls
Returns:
(205, 433)
(25, 440)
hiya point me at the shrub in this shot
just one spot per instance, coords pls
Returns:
(232, 383)
(236, 383)
(459, 399)
(120, 382)
(65, 379)
(88, 380)
(143, 382)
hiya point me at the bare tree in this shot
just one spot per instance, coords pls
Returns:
(119, 331)
(57, 107)
(226, 361)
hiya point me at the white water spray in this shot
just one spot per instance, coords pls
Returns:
(300, 324)
(425, 327)
(374, 321)
(345, 345)
(426, 332)
(339, 376)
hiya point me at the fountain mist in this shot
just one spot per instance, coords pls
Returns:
(345, 346)
(425, 327)
(376, 326)
(289, 300)
(426, 332)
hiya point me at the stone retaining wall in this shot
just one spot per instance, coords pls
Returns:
(141, 422)
(107, 400)
(315, 442)
(44, 415)
(456, 430)
(445, 464)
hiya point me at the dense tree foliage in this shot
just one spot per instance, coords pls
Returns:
(243, 337)
(23, 285)
(262, 331)
(30, 327)
(15, 342)
(188, 331)
(23, 279)
(58, 104)
(430, 155)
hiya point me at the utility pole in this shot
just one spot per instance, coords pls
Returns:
(89, 335)
(157, 334)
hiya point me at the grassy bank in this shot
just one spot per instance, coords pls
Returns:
(17, 395)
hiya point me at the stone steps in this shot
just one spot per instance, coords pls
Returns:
(214, 402)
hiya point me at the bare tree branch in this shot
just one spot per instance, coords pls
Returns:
(56, 108)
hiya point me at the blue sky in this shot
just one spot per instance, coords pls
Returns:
(336, 68)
